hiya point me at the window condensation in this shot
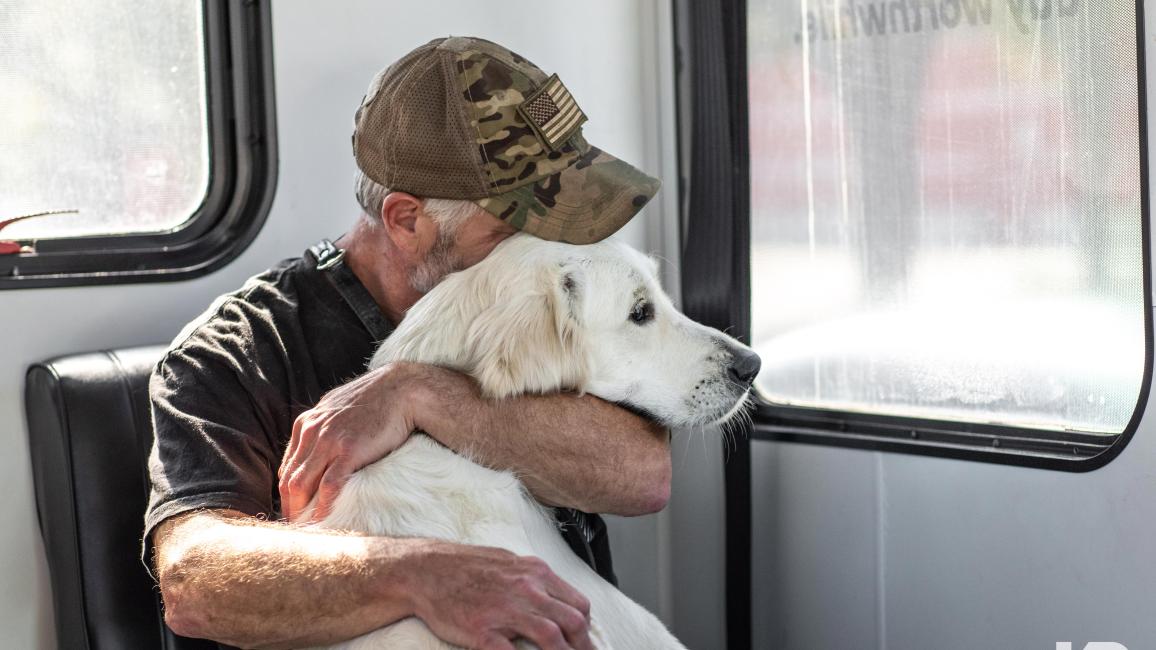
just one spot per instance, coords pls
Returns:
(946, 209)
(102, 112)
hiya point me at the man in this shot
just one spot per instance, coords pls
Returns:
(473, 143)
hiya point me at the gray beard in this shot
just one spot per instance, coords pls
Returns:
(440, 262)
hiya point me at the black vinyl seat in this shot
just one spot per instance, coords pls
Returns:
(90, 435)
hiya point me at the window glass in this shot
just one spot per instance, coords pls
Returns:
(102, 113)
(946, 209)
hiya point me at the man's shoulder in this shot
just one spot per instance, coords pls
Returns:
(290, 328)
(263, 302)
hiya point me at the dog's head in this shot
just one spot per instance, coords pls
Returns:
(538, 316)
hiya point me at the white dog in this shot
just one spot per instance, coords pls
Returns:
(537, 317)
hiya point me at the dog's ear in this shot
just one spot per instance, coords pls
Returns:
(570, 289)
(530, 340)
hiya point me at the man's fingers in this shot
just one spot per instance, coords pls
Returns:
(544, 633)
(293, 455)
(302, 484)
(330, 486)
(307, 431)
(574, 624)
(303, 470)
(560, 589)
(285, 469)
(291, 500)
(294, 443)
(495, 642)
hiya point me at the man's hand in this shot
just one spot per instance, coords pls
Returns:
(481, 597)
(352, 426)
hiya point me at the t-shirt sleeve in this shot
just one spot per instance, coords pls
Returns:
(214, 444)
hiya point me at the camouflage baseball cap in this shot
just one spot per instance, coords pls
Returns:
(465, 118)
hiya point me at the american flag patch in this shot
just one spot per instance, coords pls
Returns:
(553, 112)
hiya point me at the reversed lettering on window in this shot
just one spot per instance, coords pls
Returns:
(852, 19)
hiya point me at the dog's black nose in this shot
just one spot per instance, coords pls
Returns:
(744, 365)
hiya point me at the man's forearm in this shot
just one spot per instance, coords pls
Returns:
(273, 586)
(569, 450)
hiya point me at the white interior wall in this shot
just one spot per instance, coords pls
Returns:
(325, 55)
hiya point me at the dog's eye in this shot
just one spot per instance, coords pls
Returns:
(643, 312)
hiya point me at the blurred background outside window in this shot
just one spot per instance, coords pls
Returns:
(102, 111)
(946, 209)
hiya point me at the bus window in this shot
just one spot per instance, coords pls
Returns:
(120, 139)
(104, 115)
(946, 211)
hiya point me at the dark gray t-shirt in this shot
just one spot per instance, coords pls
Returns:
(225, 395)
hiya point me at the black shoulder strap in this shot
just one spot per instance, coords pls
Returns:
(331, 262)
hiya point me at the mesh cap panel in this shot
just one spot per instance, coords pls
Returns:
(416, 138)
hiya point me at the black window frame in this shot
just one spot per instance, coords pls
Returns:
(242, 174)
(711, 71)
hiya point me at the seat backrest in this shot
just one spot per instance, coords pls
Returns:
(90, 434)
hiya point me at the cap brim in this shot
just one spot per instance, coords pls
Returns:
(582, 204)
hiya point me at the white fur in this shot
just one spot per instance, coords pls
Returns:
(536, 316)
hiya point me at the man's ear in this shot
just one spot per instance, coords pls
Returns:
(407, 224)
(530, 340)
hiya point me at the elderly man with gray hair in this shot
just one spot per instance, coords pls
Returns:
(263, 404)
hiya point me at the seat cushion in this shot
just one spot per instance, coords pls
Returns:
(90, 435)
